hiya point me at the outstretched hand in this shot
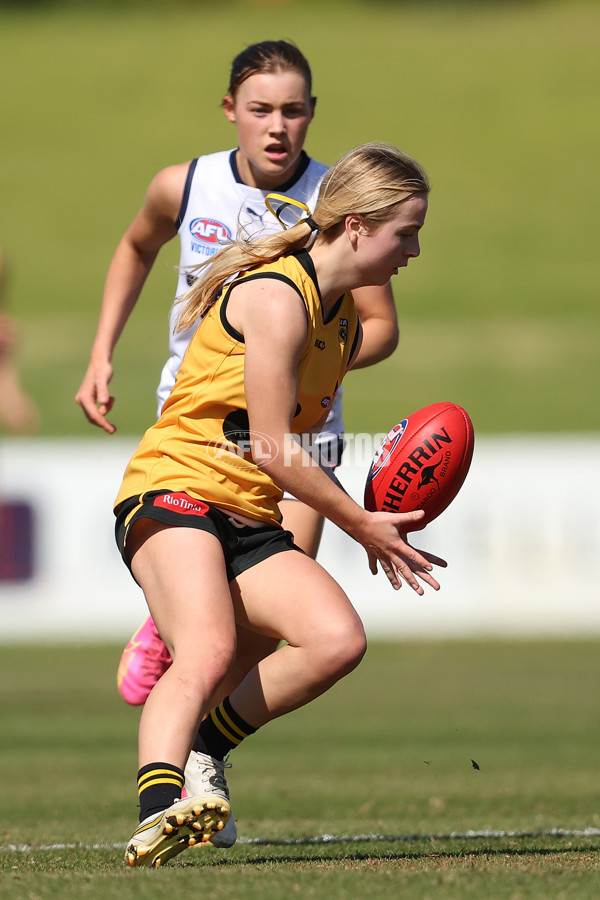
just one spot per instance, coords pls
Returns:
(94, 398)
(384, 537)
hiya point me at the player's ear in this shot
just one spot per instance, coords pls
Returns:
(355, 226)
(228, 105)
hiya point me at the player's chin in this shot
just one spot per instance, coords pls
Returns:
(380, 279)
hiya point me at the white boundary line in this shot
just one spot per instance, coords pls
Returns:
(338, 839)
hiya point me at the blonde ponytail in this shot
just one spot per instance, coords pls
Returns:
(370, 181)
(237, 257)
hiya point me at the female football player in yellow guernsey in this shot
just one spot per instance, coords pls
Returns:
(270, 103)
(198, 518)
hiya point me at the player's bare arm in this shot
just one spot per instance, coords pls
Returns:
(270, 384)
(153, 226)
(377, 312)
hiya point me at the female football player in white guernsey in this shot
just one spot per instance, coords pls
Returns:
(205, 201)
(197, 514)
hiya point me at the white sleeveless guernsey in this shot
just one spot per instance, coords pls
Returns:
(218, 207)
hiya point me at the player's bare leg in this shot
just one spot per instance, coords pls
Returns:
(292, 597)
(305, 523)
(182, 573)
(145, 658)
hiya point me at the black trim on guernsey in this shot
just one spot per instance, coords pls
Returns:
(276, 276)
(305, 260)
(355, 341)
(334, 310)
(304, 161)
(186, 194)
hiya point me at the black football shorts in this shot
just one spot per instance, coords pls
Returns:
(243, 545)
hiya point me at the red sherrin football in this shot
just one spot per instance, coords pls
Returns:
(422, 463)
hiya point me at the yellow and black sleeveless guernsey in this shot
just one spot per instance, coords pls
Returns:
(200, 443)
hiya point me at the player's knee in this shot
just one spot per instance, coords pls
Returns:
(356, 647)
(343, 648)
(221, 662)
(204, 669)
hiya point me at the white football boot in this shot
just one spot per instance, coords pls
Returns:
(193, 820)
(205, 777)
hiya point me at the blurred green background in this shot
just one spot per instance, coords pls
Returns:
(499, 101)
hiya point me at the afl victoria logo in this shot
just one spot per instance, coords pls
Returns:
(210, 231)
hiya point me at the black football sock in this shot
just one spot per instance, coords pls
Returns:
(159, 785)
(221, 731)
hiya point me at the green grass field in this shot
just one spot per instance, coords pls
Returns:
(497, 100)
(388, 752)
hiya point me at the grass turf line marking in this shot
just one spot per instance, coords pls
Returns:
(340, 839)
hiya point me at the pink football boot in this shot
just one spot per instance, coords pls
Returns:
(144, 660)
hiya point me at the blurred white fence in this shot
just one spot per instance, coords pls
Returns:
(522, 541)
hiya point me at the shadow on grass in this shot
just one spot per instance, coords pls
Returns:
(392, 855)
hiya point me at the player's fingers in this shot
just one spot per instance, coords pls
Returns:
(424, 555)
(414, 558)
(387, 566)
(372, 562)
(106, 425)
(423, 558)
(95, 417)
(411, 571)
(90, 410)
(421, 555)
(102, 395)
(105, 406)
(407, 572)
(411, 521)
(391, 574)
(428, 578)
